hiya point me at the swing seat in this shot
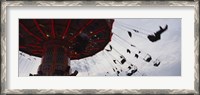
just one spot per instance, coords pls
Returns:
(132, 72)
(157, 35)
(136, 55)
(75, 73)
(153, 38)
(147, 58)
(156, 63)
(123, 61)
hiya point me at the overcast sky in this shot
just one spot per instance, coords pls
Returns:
(167, 51)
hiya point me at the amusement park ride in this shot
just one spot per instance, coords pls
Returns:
(57, 41)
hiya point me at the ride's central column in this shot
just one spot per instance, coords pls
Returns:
(55, 59)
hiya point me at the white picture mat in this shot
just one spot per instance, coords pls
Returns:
(186, 81)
